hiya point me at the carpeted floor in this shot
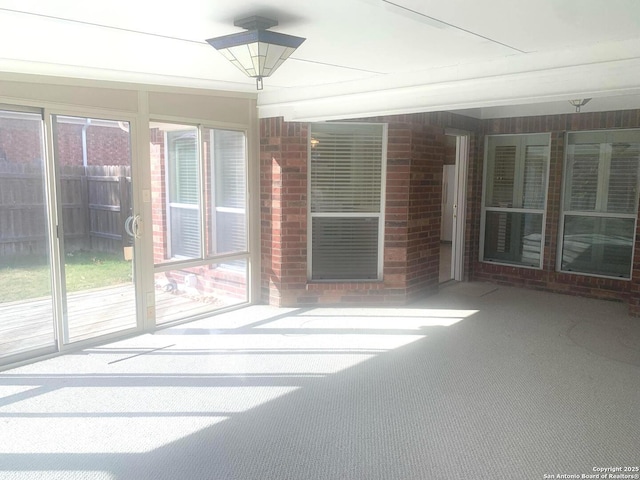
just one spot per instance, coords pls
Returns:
(476, 382)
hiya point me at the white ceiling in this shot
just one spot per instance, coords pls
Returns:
(488, 58)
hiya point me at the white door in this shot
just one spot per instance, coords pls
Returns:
(453, 219)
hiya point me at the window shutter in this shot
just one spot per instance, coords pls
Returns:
(515, 189)
(503, 176)
(584, 176)
(623, 178)
(601, 188)
(534, 187)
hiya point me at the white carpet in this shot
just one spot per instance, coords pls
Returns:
(475, 382)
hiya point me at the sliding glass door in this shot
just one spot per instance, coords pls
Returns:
(26, 302)
(96, 227)
(68, 231)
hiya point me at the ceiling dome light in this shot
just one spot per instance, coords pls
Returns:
(258, 52)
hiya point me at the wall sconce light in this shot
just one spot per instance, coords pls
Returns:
(579, 103)
(257, 52)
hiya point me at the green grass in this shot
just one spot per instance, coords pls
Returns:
(24, 278)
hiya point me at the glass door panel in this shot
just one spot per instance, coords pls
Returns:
(93, 159)
(26, 307)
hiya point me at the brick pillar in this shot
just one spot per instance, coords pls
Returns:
(425, 210)
(397, 209)
(413, 209)
(283, 210)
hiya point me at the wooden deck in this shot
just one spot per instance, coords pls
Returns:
(28, 325)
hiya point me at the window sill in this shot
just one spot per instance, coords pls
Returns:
(514, 265)
(344, 284)
(583, 274)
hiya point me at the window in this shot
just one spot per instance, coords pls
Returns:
(600, 202)
(199, 219)
(515, 190)
(199, 192)
(227, 154)
(347, 162)
(184, 193)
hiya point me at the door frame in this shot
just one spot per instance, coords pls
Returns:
(463, 140)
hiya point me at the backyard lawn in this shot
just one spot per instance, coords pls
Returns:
(24, 278)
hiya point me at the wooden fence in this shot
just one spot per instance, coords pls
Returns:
(96, 202)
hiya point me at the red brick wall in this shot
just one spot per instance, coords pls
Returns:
(424, 210)
(547, 278)
(474, 127)
(412, 216)
(108, 146)
(412, 223)
(21, 140)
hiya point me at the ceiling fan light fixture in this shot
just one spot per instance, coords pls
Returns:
(258, 52)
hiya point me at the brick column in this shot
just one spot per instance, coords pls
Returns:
(425, 210)
(283, 210)
(413, 209)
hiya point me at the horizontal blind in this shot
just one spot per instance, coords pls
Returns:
(231, 232)
(185, 232)
(229, 159)
(229, 223)
(345, 248)
(184, 193)
(346, 168)
(185, 170)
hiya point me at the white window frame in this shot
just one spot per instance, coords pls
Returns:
(602, 191)
(380, 215)
(518, 188)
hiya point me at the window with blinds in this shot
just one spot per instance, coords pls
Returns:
(515, 190)
(346, 165)
(600, 202)
(228, 213)
(204, 194)
(184, 193)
